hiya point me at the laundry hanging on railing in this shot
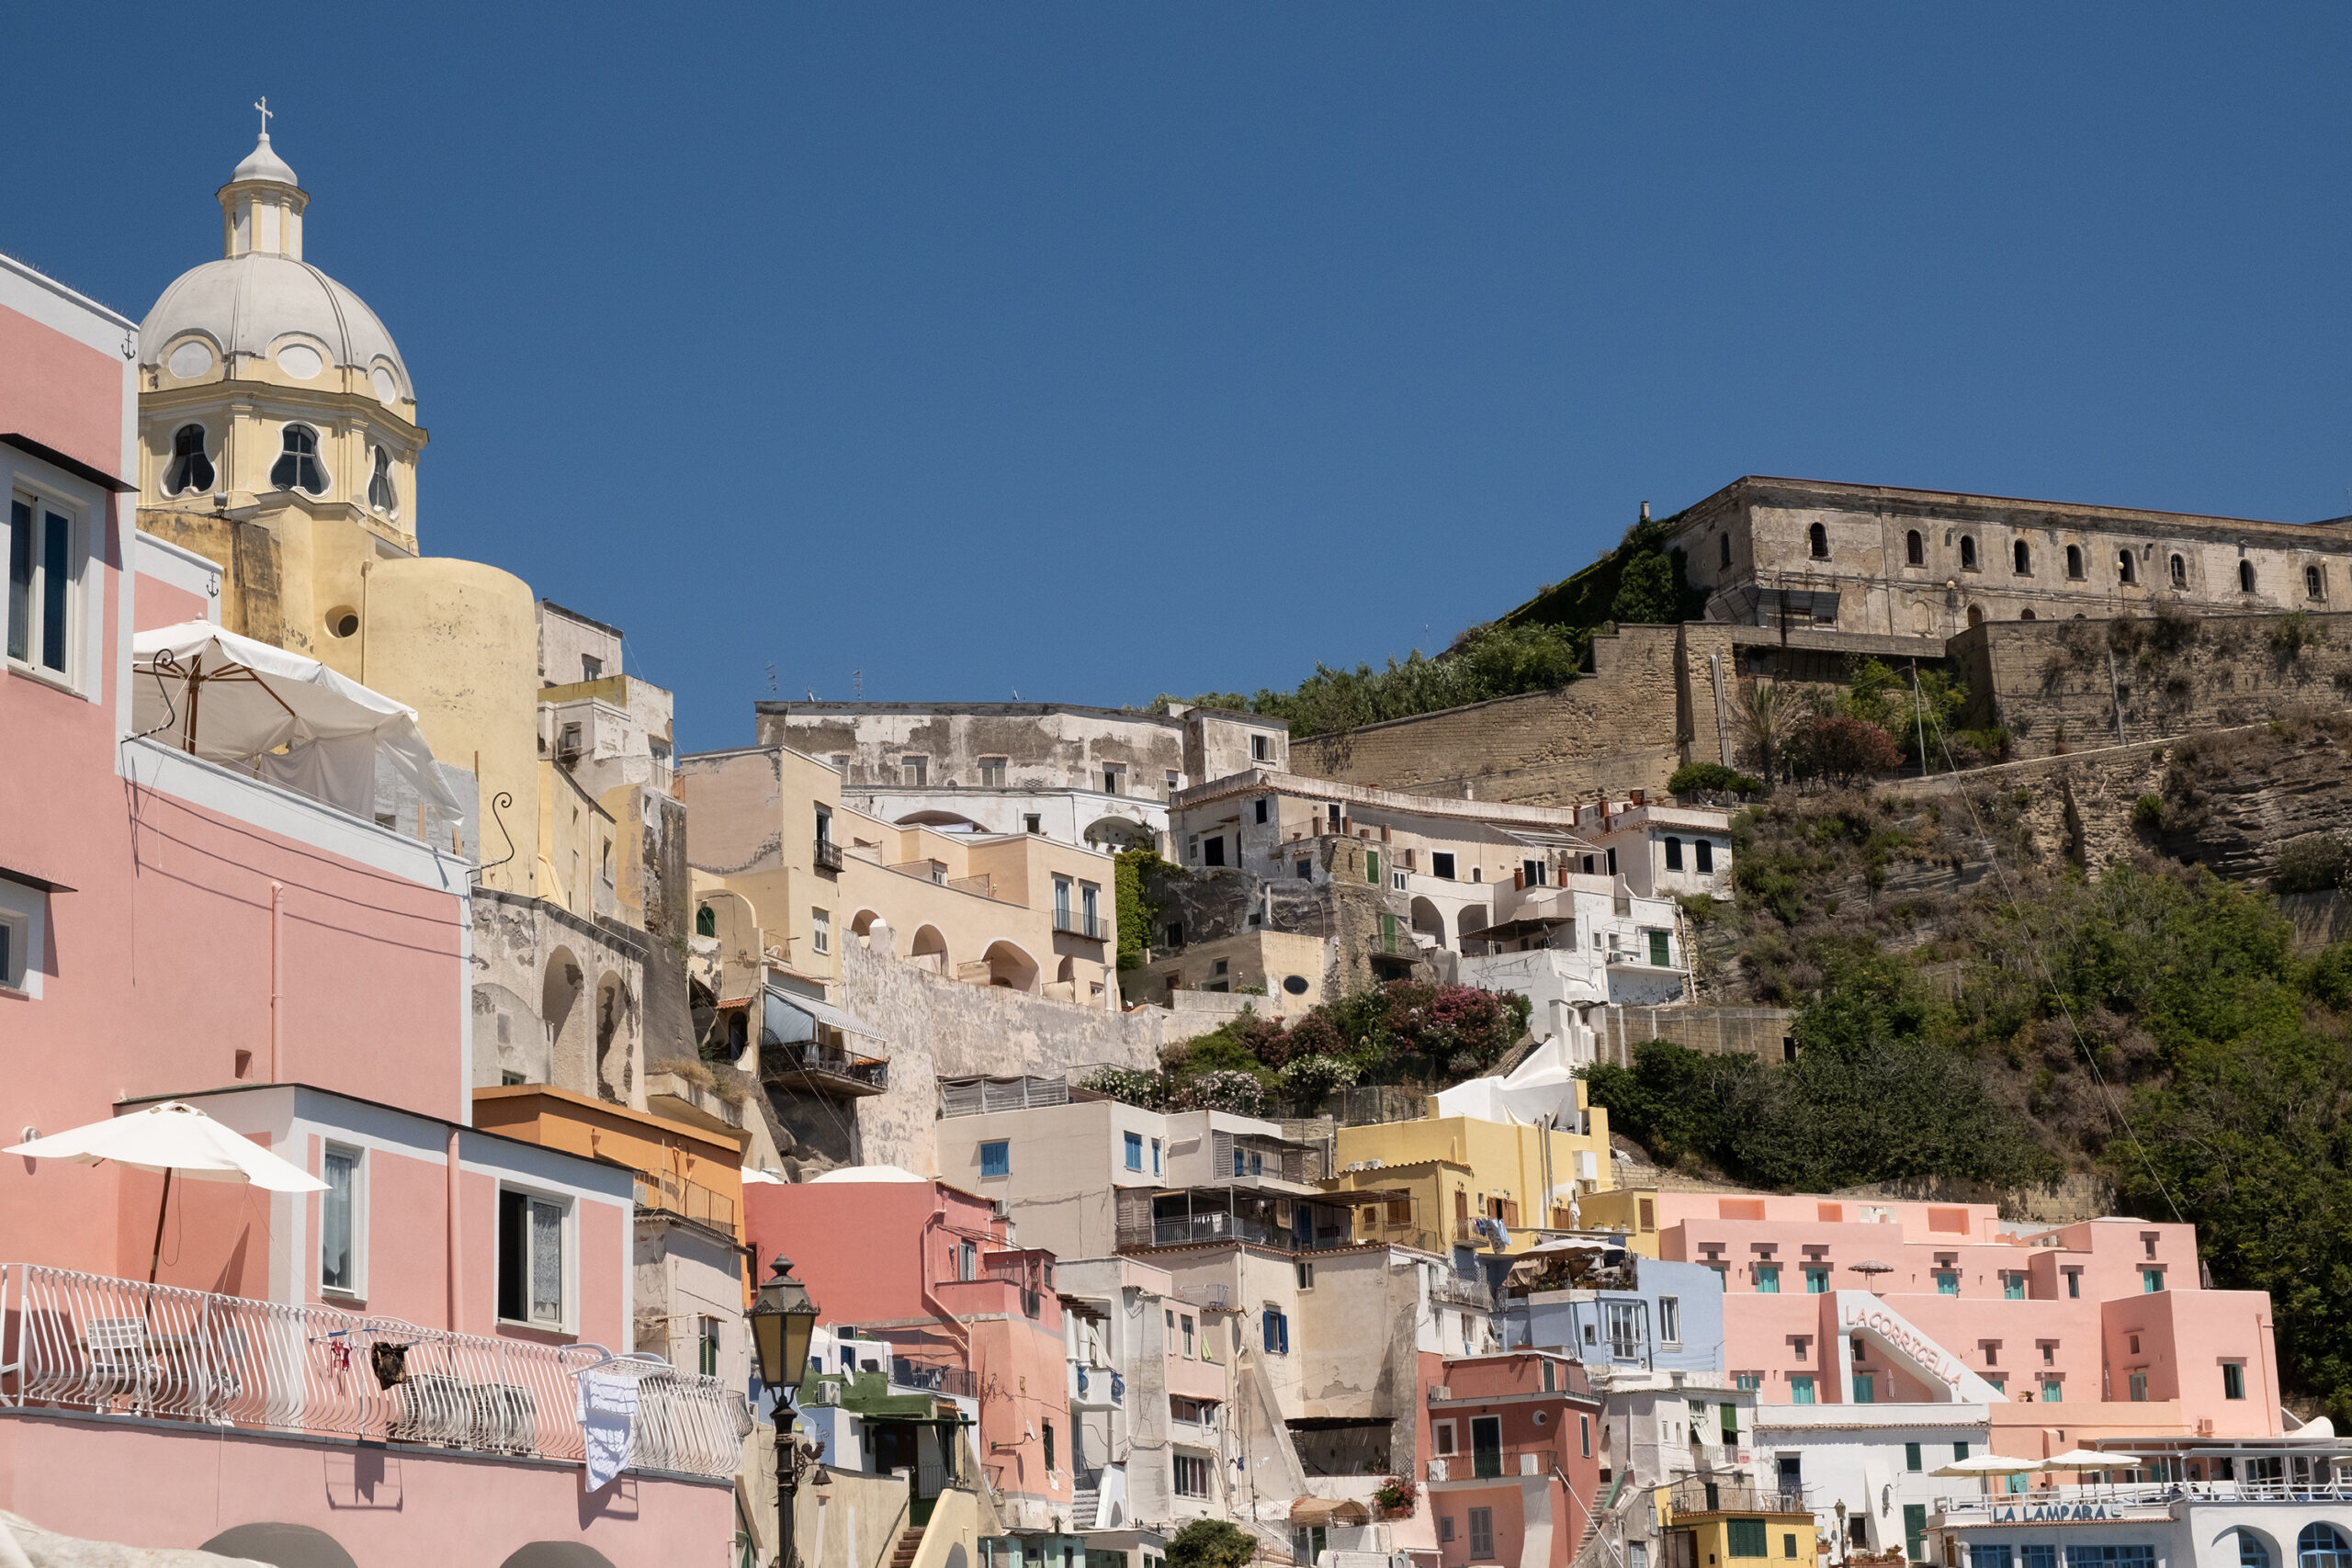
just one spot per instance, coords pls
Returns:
(607, 1421)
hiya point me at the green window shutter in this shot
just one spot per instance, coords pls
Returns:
(1371, 866)
(1658, 950)
(1915, 1531)
(1746, 1538)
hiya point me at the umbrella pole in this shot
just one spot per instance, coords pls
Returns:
(156, 1261)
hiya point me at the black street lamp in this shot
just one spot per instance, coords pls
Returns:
(782, 1317)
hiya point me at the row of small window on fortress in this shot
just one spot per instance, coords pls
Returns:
(2127, 567)
(298, 467)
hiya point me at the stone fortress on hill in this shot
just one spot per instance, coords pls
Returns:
(1798, 576)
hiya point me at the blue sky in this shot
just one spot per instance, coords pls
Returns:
(1094, 351)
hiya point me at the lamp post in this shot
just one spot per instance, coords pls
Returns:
(782, 1317)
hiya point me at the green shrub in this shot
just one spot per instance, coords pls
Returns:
(1711, 778)
(1211, 1543)
(2148, 812)
(2313, 864)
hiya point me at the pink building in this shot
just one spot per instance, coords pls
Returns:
(1515, 1475)
(932, 1268)
(172, 928)
(2100, 1329)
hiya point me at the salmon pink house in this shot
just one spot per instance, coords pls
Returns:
(934, 1270)
(395, 1360)
(2100, 1329)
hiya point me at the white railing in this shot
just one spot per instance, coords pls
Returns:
(85, 1342)
(2322, 1486)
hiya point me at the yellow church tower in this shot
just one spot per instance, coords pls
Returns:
(278, 438)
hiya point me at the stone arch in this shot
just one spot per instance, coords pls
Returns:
(862, 924)
(1472, 918)
(1117, 833)
(946, 821)
(283, 1545)
(1976, 615)
(929, 949)
(1011, 968)
(557, 1554)
(731, 919)
(564, 1013)
(1429, 920)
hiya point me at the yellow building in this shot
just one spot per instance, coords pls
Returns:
(1461, 1170)
(1733, 1524)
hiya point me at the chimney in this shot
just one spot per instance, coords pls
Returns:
(1636, 796)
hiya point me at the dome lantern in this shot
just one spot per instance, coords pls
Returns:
(261, 206)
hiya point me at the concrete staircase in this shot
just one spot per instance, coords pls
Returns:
(909, 1543)
(1085, 1508)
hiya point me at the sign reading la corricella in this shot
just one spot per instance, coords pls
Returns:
(1901, 1337)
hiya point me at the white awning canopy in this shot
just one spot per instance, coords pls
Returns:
(279, 715)
(788, 1016)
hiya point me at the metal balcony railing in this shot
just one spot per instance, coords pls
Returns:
(689, 1198)
(1188, 1229)
(787, 1062)
(1078, 922)
(120, 1347)
(828, 855)
(933, 1378)
(1702, 1495)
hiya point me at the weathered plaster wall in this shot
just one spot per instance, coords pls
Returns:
(1043, 743)
(532, 1017)
(1751, 1031)
(941, 1028)
(249, 555)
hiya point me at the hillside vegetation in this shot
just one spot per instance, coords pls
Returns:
(1540, 646)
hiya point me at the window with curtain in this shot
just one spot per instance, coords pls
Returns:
(338, 1220)
(191, 470)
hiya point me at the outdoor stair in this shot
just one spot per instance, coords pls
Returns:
(1085, 1508)
(910, 1544)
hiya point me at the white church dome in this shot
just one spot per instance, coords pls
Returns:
(261, 299)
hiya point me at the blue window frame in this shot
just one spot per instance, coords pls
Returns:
(1277, 1332)
(1135, 1151)
(996, 1158)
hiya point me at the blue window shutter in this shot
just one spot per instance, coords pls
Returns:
(1283, 1324)
(1270, 1320)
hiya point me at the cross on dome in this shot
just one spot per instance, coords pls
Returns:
(262, 104)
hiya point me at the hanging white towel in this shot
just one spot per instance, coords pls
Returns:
(607, 1417)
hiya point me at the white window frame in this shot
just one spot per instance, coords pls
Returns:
(1670, 1320)
(46, 498)
(357, 1289)
(820, 929)
(25, 911)
(568, 1266)
(1441, 1443)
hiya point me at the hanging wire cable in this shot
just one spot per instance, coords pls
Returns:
(2034, 952)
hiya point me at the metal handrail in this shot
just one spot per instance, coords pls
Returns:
(123, 1347)
(1078, 922)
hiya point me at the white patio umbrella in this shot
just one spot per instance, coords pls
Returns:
(1981, 1465)
(230, 699)
(2091, 1459)
(175, 1139)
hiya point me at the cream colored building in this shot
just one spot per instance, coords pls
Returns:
(1808, 554)
(785, 874)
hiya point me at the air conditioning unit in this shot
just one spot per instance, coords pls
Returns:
(1439, 1390)
(1530, 1465)
(829, 1391)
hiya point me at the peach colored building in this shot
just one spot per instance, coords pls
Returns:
(2099, 1329)
(934, 1270)
(392, 1362)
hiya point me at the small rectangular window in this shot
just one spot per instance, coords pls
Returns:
(1306, 1275)
(914, 771)
(1865, 1389)
(2152, 1281)
(1659, 956)
(1911, 1458)
(2233, 1379)
(1747, 1537)
(820, 929)
(1768, 1279)
(1261, 810)
(1155, 1156)
(591, 666)
(707, 1346)
(1261, 750)
(40, 584)
(1801, 1390)
(1304, 870)
(1673, 854)
(1371, 866)
(2074, 1285)
(1133, 1150)
(993, 772)
(1213, 850)
(1947, 1281)
(1706, 855)
(1441, 865)
(996, 1158)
